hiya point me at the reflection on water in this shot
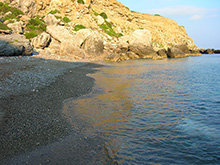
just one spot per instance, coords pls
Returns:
(152, 112)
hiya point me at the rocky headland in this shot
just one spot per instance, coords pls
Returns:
(89, 30)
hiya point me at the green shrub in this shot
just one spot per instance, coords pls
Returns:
(95, 13)
(107, 28)
(58, 17)
(34, 27)
(66, 20)
(108, 24)
(78, 27)
(54, 11)
(37, 22)
(4, 8)
(81, 1)
(4, 27)
(30, 34)
(10, 16)
(157, 14)
(104, 15)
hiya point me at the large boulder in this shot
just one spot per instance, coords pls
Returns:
(50, 19)
(100, 20)
(183, 48)
(68, 49)
(41, 41)
(143, 51)
(162, 53)
(141, 44)
(141, 37)
(195, 52)
(14, 45)
(59, 33)
(174, 52)
(16, 27)
(93, 45)
(8, 49)
(81, 36)
(123, 43)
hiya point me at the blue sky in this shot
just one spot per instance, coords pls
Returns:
(201, 18)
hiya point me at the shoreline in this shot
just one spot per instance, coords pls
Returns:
(38, 124)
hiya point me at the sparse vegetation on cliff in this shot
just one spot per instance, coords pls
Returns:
(66, 20)
(4, 27)
(54, 11)
(78, 27)
(12, 11)
(81, 1)
(34, 27)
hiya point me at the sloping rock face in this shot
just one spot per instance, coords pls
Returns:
(107, 28)
(14, 45)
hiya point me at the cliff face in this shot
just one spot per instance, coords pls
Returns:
(165, 32)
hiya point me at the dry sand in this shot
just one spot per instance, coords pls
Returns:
(32, 127)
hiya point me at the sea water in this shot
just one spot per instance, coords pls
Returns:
(154, 112)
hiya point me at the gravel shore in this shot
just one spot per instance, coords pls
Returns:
(32, 127)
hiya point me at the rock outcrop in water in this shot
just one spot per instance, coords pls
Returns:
(100, 29)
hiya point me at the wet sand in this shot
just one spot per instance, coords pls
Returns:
(33, 129)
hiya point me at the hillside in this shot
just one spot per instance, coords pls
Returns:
(108, 18)
(165, 32)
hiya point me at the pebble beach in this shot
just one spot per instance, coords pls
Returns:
(33, 128)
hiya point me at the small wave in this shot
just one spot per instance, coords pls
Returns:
(195, 128)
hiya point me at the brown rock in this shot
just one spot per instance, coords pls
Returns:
(59, 33)
(14, 45)
(27, 6)
(162, 53)
(41, 41)
(16, 27)
(50, 19)
(143, 51)
(81, 36)
(115, 57)
(68, 49)
(174, 52)
(183, 48)
(123, 43)
(93, 45)
(141, 37)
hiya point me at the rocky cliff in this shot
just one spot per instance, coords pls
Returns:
(112, 21)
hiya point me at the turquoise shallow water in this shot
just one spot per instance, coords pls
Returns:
(154, 112)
